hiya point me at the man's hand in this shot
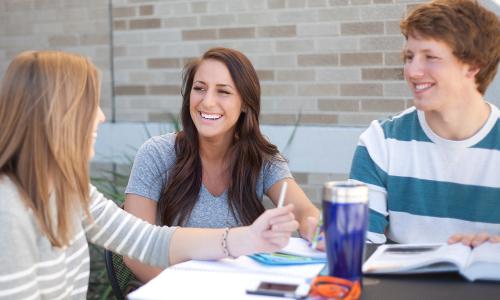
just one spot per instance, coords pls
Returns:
(495, 239)
(473, 240)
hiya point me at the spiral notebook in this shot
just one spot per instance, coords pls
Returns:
(246, 265)
(222, 279)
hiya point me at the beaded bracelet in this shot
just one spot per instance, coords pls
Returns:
(225, 249)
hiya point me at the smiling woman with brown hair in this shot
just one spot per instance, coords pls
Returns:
(215, 172)
(48, 210)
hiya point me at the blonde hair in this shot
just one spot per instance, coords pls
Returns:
(48, 103)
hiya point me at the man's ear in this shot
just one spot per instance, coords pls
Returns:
(472, 71)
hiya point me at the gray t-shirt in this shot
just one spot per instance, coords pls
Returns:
(151, 169)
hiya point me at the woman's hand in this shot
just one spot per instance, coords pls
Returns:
(304, 208)
(273, 229)
(270, 232)
(473, 240)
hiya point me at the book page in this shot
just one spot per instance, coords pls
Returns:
(417, 258)
(487, 252)
(484, 263)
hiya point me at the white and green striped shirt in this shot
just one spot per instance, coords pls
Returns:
(30, 268)
(424, 188)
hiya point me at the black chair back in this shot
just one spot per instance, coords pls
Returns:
(120, 277)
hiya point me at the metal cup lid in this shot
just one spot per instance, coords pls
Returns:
(345, 192)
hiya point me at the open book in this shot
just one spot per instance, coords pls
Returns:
(482, 262)
(222, 279)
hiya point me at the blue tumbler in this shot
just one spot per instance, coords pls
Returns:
(345, 221)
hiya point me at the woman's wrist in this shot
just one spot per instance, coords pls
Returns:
(225, 243)
(239, 241)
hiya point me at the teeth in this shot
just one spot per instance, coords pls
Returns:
(422, 86)
(210, 116)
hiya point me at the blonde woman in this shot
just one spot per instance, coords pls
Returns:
(49, 112)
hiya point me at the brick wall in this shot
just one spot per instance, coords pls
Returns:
(70, 25)
(329, 62)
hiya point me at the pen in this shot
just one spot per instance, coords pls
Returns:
(281, 200)
(316, 238)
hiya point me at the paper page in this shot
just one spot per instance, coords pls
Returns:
(484, 263)
(245, 264)
(299, 246)
(186, 284)
(412, 258)
(487, 252)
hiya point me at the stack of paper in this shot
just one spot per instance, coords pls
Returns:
(298, 246)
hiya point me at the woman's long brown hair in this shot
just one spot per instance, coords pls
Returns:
(248, 151)
(48, 101)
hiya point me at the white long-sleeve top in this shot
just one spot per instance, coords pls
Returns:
(31, 268)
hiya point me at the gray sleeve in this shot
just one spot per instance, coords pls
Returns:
(115, 229)
(18, 257)
(151, 166)
(274, 171)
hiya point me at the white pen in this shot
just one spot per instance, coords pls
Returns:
(281, 200)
